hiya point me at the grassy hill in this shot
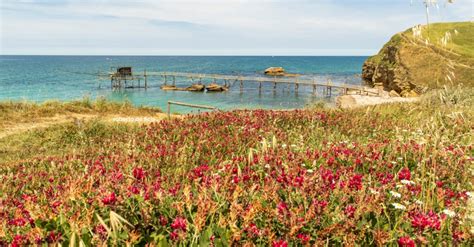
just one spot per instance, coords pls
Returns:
(432, 57)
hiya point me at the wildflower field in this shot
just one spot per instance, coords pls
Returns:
(384, 175)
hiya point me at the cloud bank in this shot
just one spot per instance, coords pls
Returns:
(210, 27)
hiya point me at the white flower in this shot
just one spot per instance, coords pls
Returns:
(407, 182)
(398, 186)
(395, 194)
(394, 162)
(400, 158)
(303, 165)
(267, 166)
(399, 206)
(374, 191)
(283, 145)
(449, 213)
(418, 202)
(309, 171)
(469, 194)
(293, 145)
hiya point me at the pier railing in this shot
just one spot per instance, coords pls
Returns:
(188, 105)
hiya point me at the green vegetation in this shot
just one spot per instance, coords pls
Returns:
(387, 174)
(462, 36)
(423, 58)
(13, 112)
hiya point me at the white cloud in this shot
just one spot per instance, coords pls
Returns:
(206, 26)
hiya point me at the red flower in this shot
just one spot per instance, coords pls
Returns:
(304, 238)
(252, 230)
(179, 224)
(404, 174)
(356, 182)
(282, 207)
(349, 211)
(109, 199)
(134, 189)
(280, 243)
(163, 220)
(422, 221)
(320, 205)
(174, 235)
(406, 242)
(138, 173)
(54, 237)
(330, 161)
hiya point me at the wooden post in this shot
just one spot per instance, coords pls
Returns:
(146, 82)
(241, 85)
(260, 88)
(166, 79)
(274, 84)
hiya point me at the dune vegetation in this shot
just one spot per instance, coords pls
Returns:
(395, 174)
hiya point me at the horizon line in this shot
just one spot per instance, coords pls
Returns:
(183, 55)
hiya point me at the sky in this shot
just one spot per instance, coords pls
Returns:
(212, 27)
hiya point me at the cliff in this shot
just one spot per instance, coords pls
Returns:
(423, 58)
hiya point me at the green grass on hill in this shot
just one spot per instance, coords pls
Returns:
(12, 112)
(462, 34)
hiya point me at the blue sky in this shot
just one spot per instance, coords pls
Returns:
(211, 27)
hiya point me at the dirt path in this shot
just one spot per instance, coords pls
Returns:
(61, 119)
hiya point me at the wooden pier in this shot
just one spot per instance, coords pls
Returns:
(124, 78)
(296, 82)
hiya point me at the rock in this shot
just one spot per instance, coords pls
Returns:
(169, 88)
(393, 93)
(196, 88)
(192, 88)
(409, 94)
(213, 87)
(275, 71)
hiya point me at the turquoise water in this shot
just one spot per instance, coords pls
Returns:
(41, 78)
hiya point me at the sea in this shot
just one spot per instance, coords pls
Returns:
(67, 78)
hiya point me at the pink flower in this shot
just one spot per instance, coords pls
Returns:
(406, 242)
(404, 174)
(280, 243)
(179, 224)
